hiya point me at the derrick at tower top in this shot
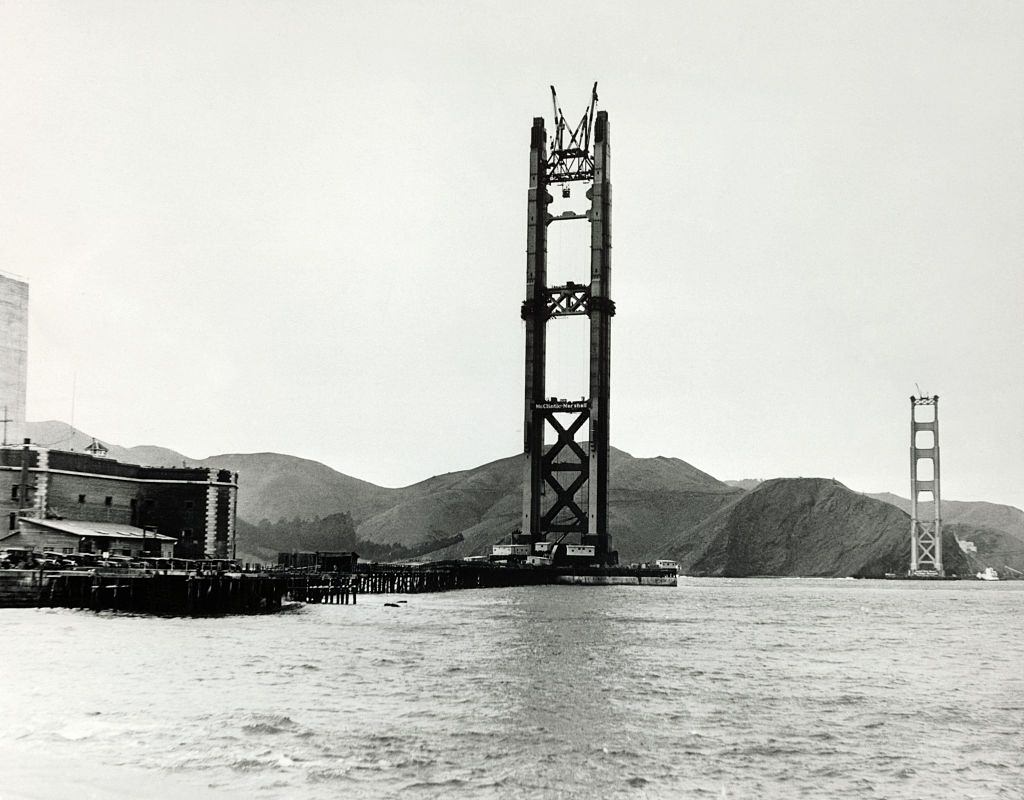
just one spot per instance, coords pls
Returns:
(571, 157)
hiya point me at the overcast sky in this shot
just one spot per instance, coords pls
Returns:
(300, 227)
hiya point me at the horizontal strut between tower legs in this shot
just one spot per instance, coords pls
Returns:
(571, 299)
(567, 215)
(569, 166)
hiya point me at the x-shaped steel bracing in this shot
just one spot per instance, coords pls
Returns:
(571, 299)
(926, 540)
(565, 496)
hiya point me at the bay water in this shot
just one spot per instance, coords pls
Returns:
(715, 689)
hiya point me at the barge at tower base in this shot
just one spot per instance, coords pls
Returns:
(618, 576)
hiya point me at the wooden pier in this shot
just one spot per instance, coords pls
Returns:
(311, 586)
(209, 593)
(166, 593)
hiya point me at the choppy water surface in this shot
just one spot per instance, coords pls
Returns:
(721, 689)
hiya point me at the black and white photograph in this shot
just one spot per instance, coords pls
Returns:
(353, 448)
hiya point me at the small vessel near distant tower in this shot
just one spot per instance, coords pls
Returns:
(989, 574)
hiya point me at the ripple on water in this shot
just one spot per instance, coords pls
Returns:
(532, 692)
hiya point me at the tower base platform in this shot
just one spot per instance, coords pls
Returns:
(616, 576)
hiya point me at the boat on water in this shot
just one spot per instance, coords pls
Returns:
(988, 575)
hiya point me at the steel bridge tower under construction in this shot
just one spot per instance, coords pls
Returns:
(925, 517)
(565, 485)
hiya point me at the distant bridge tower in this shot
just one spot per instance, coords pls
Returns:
(925, 517)
(565, 492)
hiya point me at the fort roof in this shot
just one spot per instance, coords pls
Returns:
(109, 530)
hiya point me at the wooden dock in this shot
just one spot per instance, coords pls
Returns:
(345, 587)
(210, 593)
(166, 593)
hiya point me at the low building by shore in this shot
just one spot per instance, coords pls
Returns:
(80, 536)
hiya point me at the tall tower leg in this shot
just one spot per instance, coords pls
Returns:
(601, 311)
(534, 314)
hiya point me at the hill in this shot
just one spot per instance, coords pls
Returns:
(455, 502)
(995, 548)
(649, 499)
(276, 487)
(62, 436)
(652, 500)
(811, 527)
(975, 514)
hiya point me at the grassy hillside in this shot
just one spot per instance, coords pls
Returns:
(447, 504)
(811, 527)
(996, 549)
(275, 487)
(649, 498)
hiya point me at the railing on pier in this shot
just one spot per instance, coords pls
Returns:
(323, 587)
(443, 576)
(311, 586)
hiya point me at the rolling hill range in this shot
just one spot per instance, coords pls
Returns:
(277, 487)
(658, 507)
(272, 486)
(812, 527)
(649, 499)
